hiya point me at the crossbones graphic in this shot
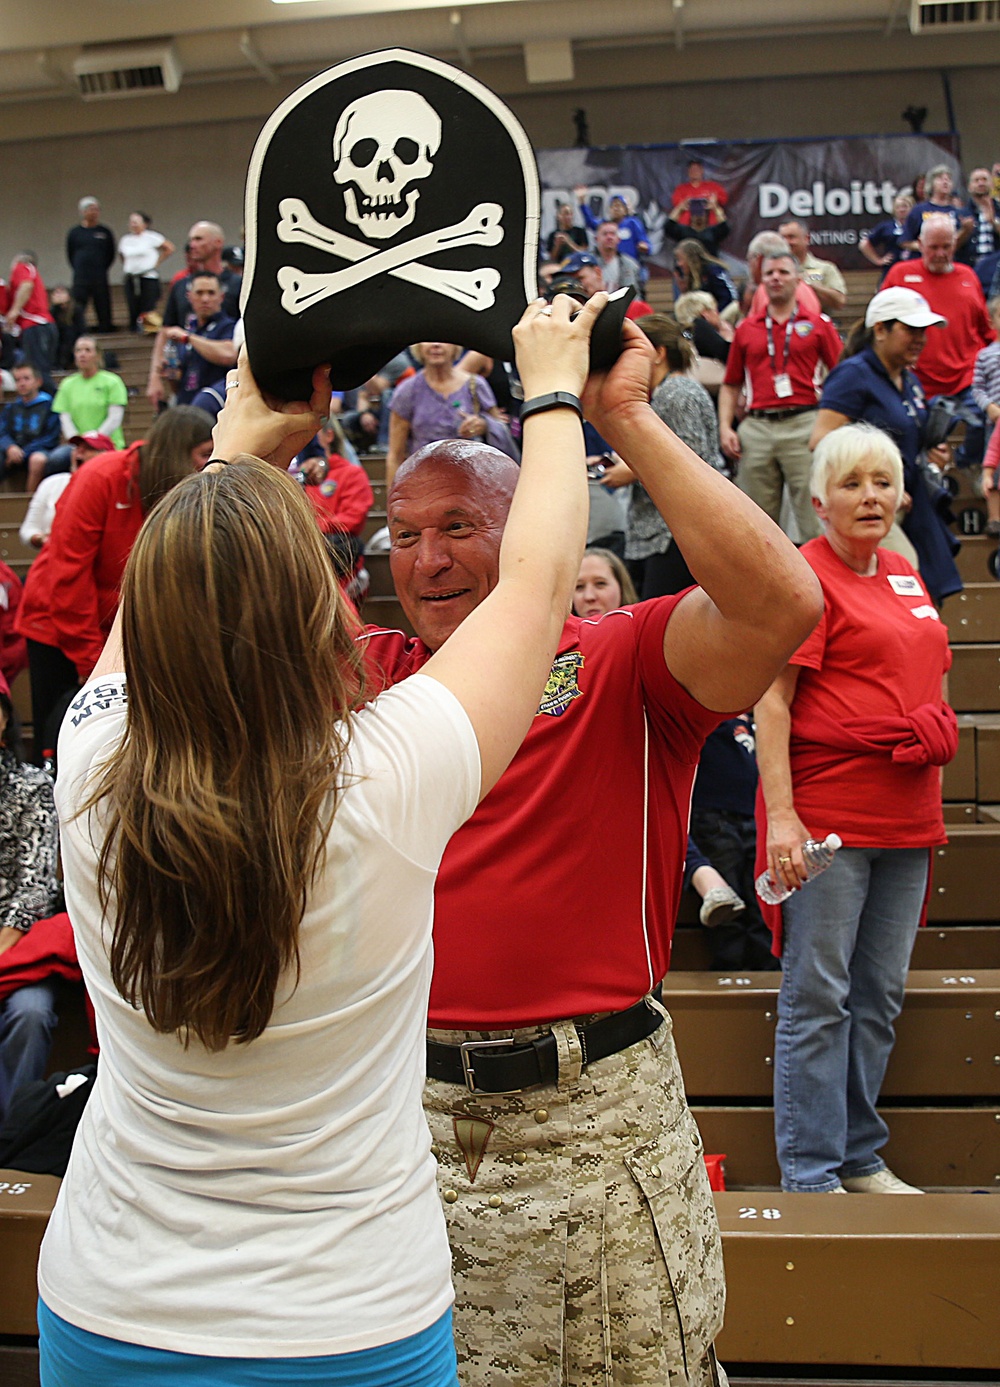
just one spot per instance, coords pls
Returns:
(473, 288)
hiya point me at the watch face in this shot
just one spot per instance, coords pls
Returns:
(390, 200)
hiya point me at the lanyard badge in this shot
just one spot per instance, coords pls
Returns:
(782, 380)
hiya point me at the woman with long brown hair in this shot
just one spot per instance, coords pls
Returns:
(250, 868)
(71, 592)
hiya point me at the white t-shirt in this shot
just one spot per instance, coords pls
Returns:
(42, 507)
(277, 1199)
(140, 252)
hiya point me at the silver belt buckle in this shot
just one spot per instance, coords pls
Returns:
(465, 1049)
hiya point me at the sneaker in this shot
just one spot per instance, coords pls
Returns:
(882, 1182)
(837, 1189)
(720, 906)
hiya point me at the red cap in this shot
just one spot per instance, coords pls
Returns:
(100, 441)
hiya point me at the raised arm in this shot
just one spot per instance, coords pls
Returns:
(758, 599)
(497, 661)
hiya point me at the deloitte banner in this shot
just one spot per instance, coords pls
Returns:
(841, 187)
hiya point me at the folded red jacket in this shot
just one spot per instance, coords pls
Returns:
(47, 950)
(927, 736)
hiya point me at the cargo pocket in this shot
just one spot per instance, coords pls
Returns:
(670, 1173)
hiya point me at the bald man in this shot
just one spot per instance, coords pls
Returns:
(584, 1244)
(205, 241)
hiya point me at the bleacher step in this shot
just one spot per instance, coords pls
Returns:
(973, 615)
(927, 1147)
(866, 1280)
(956, 946)
(947, 1037)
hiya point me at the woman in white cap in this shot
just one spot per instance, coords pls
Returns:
(875, 383)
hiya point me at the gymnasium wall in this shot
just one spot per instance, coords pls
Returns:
(185, 156)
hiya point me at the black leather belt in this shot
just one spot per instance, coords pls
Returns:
(503, 1066)
(775, 414)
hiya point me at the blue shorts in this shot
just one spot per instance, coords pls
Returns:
(72, 1357)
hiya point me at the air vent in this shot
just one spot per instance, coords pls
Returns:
(953, 16)
(104, 74)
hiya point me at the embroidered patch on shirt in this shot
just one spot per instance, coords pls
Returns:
(926, 611)
(562, 685)
(802, 328)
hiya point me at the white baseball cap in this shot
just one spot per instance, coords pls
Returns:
(902, 306)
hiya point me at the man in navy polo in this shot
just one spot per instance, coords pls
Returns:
(774, 356)
(207, 342)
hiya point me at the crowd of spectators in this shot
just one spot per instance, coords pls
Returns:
(753, 377)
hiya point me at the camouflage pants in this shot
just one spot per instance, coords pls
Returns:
(585, 1246)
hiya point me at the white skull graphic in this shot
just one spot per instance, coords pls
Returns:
(383, 144)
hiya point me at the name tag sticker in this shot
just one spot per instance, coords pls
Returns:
(905, 585)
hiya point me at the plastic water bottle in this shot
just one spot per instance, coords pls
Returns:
(817, 855)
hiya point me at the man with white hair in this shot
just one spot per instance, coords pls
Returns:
(90, 250)
(946, 364)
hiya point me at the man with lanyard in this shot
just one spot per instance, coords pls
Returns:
(208, 348)
(775, 355)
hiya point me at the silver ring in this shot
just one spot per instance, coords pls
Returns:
(232, 385)
(547, 311)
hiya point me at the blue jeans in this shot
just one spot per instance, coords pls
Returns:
(27, 1020)
(848, 936)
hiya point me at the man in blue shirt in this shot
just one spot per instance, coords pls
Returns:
(208, 351)
(982, 214)
(29, 431)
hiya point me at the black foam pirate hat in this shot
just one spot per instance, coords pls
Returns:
(390, 199)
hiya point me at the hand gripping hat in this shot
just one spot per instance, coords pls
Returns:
(391, 199)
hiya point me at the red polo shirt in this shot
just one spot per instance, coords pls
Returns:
(813, 339)
(36, 309)
(538, 916)
(946, 364)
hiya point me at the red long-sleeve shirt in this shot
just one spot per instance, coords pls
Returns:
(71, 594)
(343, 499)
(13, 654)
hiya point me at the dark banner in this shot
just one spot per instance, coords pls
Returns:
(839, 187)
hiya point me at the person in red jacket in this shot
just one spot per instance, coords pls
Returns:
(71, 594)
(341, 497)
(13, 654)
